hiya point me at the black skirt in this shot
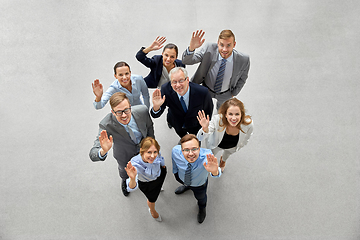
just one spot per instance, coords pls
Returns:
(152, 189)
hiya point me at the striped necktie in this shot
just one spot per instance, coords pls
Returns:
(220, 76)
(187, 180)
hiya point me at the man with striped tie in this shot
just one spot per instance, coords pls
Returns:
(222, 69)
(191, 167)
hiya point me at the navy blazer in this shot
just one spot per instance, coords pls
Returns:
(156, 66)
(199, 99)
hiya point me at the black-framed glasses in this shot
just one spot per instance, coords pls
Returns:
(120, 113)
(187, 150)
(176, 82)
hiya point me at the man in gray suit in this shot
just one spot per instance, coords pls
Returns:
(222, 69)
(126, 127)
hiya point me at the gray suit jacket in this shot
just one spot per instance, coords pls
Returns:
(208, 55)
(123, 147)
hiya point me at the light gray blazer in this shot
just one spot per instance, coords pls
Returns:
(213, 137)
(123, 147)
(208, 55)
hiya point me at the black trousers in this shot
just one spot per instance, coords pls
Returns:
(199, 192)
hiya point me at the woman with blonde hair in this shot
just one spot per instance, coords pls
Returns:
(147, 171)
(229, 131)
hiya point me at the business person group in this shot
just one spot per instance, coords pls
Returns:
(128, 129)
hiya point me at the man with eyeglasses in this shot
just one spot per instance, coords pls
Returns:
(191, 167)
(184, 100)
(122, 129)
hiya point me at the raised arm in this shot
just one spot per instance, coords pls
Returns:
(212, 165)
(196, 40)
(157, 100)
(131, 172)
(203, 121)
(97, 90)
(155, 45)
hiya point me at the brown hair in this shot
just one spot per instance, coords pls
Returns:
(146, 143)
(117, 98)
(227, 33)
(245, 119)
(189, 137)
(172, 46)
(121, 64)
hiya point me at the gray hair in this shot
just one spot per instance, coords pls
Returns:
(177, 69)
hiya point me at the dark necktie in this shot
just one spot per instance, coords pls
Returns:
(220, 76)
(183, 103)
(187, 180)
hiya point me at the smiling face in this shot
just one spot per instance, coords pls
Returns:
(169, 56)
(124, 118)
(226, 47)
(150, 154)
(123, 75)
(191, 156)
(233, 115)
(180, 88)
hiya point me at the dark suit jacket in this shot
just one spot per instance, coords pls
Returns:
(199, 99)
(208, 55)
(123, 147)
(156, 65)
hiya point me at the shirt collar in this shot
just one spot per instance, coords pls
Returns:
(186, 95)
(229, 59)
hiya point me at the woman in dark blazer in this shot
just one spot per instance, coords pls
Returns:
(160, 65)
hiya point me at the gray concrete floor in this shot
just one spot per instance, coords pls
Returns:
(298, 178)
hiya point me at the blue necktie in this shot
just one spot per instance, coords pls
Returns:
(220, 76)
(183, 103)
(187, 180)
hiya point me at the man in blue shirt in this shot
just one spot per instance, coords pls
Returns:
(191, 166)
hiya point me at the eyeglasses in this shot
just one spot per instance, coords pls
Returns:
(120, 113)
(186, 150)
(176, 82)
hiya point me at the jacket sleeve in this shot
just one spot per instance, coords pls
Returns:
(248, 134)
(145, 92)
(141, 57)
(94, 151)
(195, 56)
(241, 79)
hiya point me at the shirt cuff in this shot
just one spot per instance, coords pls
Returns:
(219, 169)
(102, 157)
(127, 184)
(188, 52)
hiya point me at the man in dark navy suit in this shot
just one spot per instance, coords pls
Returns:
(184, 100)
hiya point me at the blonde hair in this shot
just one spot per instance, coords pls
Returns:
(245, 119)
(146, 143)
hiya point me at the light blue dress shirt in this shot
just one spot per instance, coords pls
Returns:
(138, 88)
(199, 174)
(186, 97)
(146, 172)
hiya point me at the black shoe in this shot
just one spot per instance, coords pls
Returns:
(169, 125)
(201, 215)
(181, 189)
(123, 188)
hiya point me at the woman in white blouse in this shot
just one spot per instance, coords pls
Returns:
(229, 131)
(147, 171)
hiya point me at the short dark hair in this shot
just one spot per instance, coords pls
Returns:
(121, 64)
(172, 46)
(189, 137)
